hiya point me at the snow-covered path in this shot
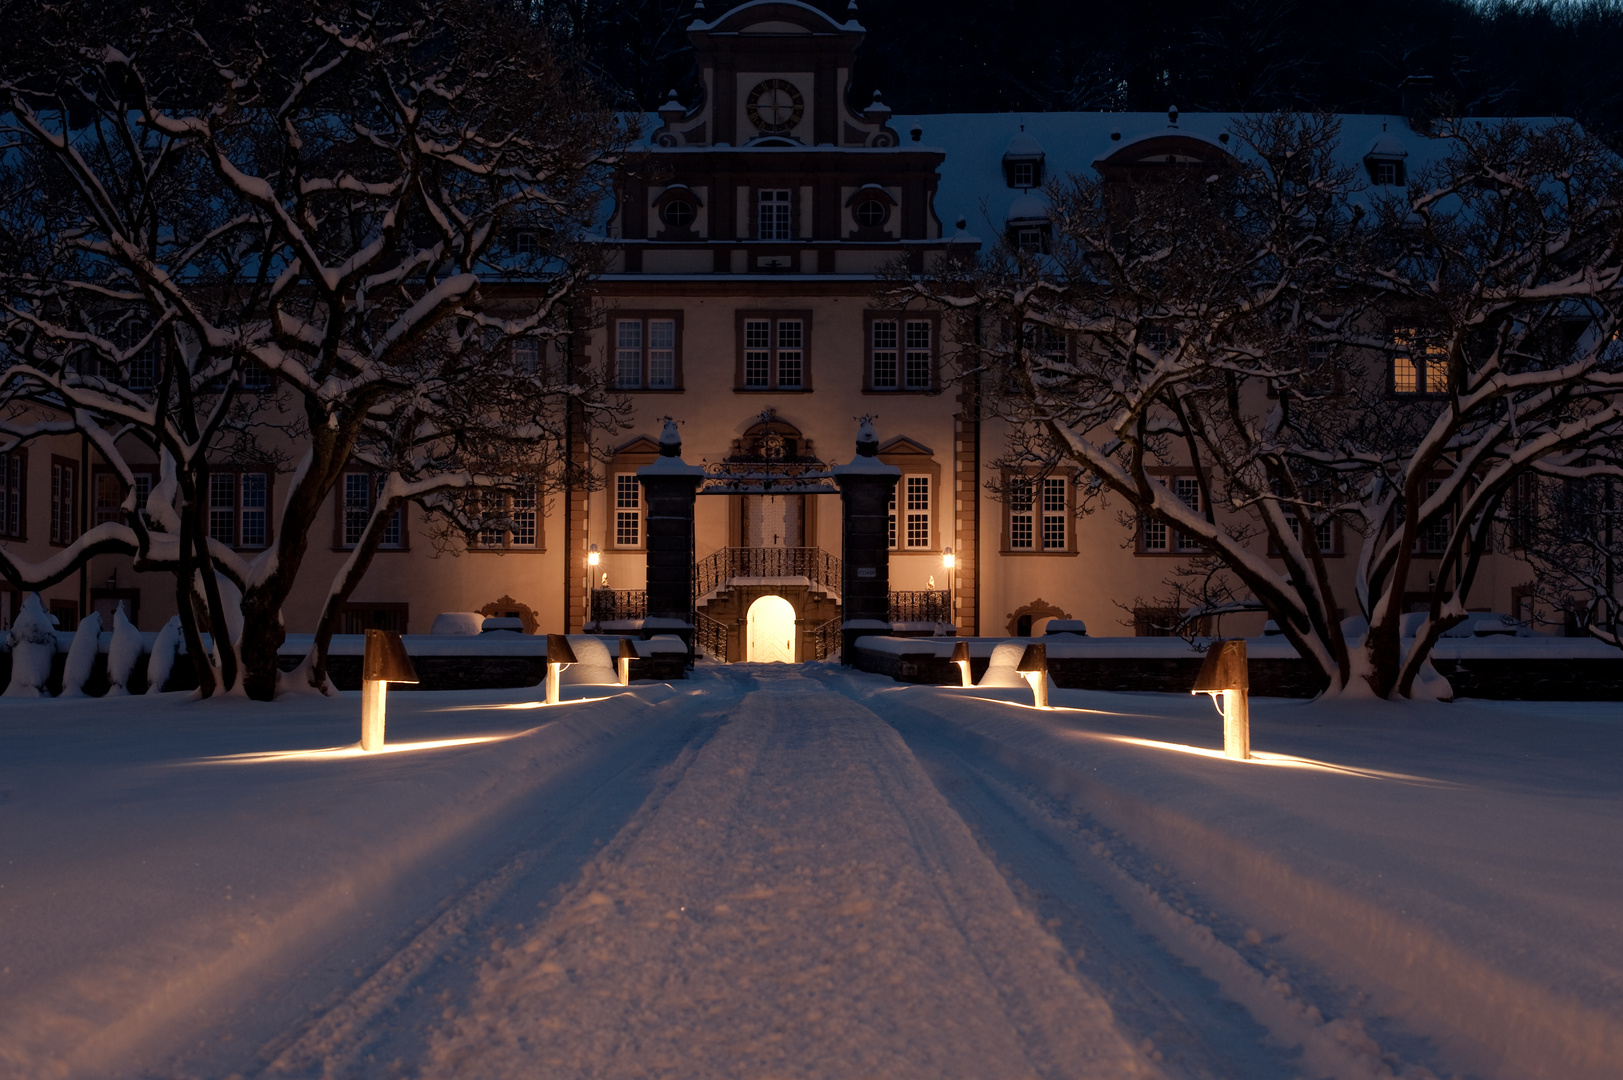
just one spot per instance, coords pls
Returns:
(775, 871)
(802, 902)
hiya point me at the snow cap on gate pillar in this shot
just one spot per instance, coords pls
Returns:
(867, 459)
(669, 462)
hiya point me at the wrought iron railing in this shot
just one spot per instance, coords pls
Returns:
(925, 605)
(710, 637)
(715, 570)
(619, 604)
(825, 639)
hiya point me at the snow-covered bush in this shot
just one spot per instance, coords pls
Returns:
(32, 641)
(123, 654)
(162, 660)
(82, 656)
(457, 624)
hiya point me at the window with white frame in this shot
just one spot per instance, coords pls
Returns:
(1024, 174)
(774, 353)
(238, 507)
(901, 354)
(1187, 488)
(527, 356)
(645, 354)
(512, 518)
(1056, 513)
(773, 220)
(64, 500)
(917, 533)
(1020, 495)
(360, 495)
(627, 511)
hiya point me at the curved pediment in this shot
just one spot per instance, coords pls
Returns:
(1166, 148)
(775, 17)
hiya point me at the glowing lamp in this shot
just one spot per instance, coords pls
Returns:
(1034, 666)
(628, 653)
(384, 662)
(1224, 675)
(960, 656)
(559, 656)
(948, 559)
(592, 555)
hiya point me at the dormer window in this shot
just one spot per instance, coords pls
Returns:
(1384, 160)
(526, 243)
(1023, 162)
(679, 213)
(1028, 227)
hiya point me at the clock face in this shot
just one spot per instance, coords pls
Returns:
(776, 106)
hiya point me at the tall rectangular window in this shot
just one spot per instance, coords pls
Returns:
(1187, 488)
(143, 491)
(627, 510)
(223, 507)
(661, 354)
(791, 355)
(757, 353)
(357, 506)
(918, 511)
(255, 500)
(773, 222)
(1419, 364)
(527, 356)
(106, 495)
(628, 354)
(1434, 537)
(918, 364)
(1022, 498)
(883, 372)
(1154, 535)
(13, 471)
(64, 501)
(1055, 514)
(524, 520)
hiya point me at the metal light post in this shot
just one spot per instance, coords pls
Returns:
(592, 557)
(949, 560)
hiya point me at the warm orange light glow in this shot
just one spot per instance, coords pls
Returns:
(521, 705)
(1287, 761)
(335, 753)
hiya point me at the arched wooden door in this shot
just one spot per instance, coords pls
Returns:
(770, 631)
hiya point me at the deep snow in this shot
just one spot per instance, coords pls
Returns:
(808, 872)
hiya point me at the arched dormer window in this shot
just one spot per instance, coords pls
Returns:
(1023, 162)
(872, 210)
(1385, 160)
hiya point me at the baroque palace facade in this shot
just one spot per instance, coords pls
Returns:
(740, 301)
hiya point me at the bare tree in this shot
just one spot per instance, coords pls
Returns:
(1242, 329)
(222, 221)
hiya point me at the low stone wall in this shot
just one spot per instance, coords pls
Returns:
(1496, 678)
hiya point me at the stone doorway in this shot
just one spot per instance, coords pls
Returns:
(770, 631)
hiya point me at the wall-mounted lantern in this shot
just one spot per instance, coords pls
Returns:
(628, 653)
(559, 656)
(384, 662)
(1034, 666)
(1224, 675)
(960, 656)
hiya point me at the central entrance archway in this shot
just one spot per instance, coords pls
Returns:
(770, 631)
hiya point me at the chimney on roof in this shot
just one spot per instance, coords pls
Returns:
(1417, 91)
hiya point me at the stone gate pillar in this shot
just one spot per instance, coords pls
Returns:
(866, 487)
(669, 486)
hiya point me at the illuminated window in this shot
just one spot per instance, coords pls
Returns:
(1419, 365)
(627, 510)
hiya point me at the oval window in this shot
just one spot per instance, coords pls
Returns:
(679, 213)
(871, 213)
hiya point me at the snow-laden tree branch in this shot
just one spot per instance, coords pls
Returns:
(271, 233)
(1323, 366)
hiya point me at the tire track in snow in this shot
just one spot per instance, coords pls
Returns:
(1138, 944)
(802, 903)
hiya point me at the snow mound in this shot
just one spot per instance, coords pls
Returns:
(82, 656)
(1001, 671)
(457, 624)
(123, 654)
(162, 660)
(593, 664)
(33, 646)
